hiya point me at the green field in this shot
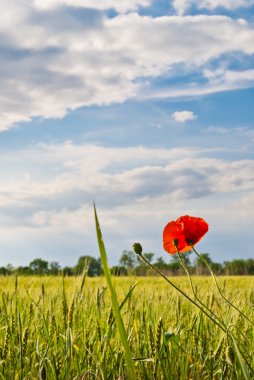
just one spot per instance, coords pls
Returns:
(55, 328)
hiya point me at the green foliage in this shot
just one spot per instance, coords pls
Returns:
(199, 264)
(131, 264)
(4, 271)
(68, 271)
(239, 267)
(93, 265)
(160, 263)
(128, 260)
(119, 270)
(149, 256)
(54, 268)
(39, 266)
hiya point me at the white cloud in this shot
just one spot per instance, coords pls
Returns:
(138, 175)
(119, 6)
(219, 80)
(182, 6)
(230, 77)
(237, 131)
(137, 190)
(54, 61)
(183, 116)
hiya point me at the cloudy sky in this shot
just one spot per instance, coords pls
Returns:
(144, 106)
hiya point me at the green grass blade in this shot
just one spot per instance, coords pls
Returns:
(115, 305)
(241, 361)
(128, 295)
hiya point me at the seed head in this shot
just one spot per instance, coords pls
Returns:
(137, 248)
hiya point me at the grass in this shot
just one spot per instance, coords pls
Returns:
(54, 328)
(131, 373)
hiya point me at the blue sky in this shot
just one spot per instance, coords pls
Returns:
(145, 107)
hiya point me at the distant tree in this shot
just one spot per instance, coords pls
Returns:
(217, 268)
(148, 256)
(235, 267)
(200, 266)
(226, 267)
(10, 268)
(185, 256)
(118, 270)
(95, 268)
(68, 271)
(175, 266)
(250, 266)
(142, 269)
(128, 260)
(23, 271)
(160, 263)
(93, 265)
(39, 266)
(54, 268)
(4, 271)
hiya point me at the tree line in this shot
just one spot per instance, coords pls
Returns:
(132, 264)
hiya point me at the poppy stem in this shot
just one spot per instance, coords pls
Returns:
(194, 291)
(218, 288)
(182, 292)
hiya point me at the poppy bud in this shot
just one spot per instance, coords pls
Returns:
(137, 248)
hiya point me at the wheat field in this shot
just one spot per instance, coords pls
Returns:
(64, 328)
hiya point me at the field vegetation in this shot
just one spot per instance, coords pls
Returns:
(64, 328)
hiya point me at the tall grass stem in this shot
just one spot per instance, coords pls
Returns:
(115, 306)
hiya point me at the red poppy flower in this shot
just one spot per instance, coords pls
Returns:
(183, 233)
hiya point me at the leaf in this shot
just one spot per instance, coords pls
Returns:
(241, 361)
(170, 336)
(115, 305)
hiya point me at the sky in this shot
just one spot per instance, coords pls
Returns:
(144, 107)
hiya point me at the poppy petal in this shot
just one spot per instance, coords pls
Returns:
(186, 230)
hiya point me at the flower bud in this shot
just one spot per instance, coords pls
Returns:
(137, 248)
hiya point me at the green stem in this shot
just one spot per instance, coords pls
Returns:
(218, 288)
(195, 293)
(182, 292)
